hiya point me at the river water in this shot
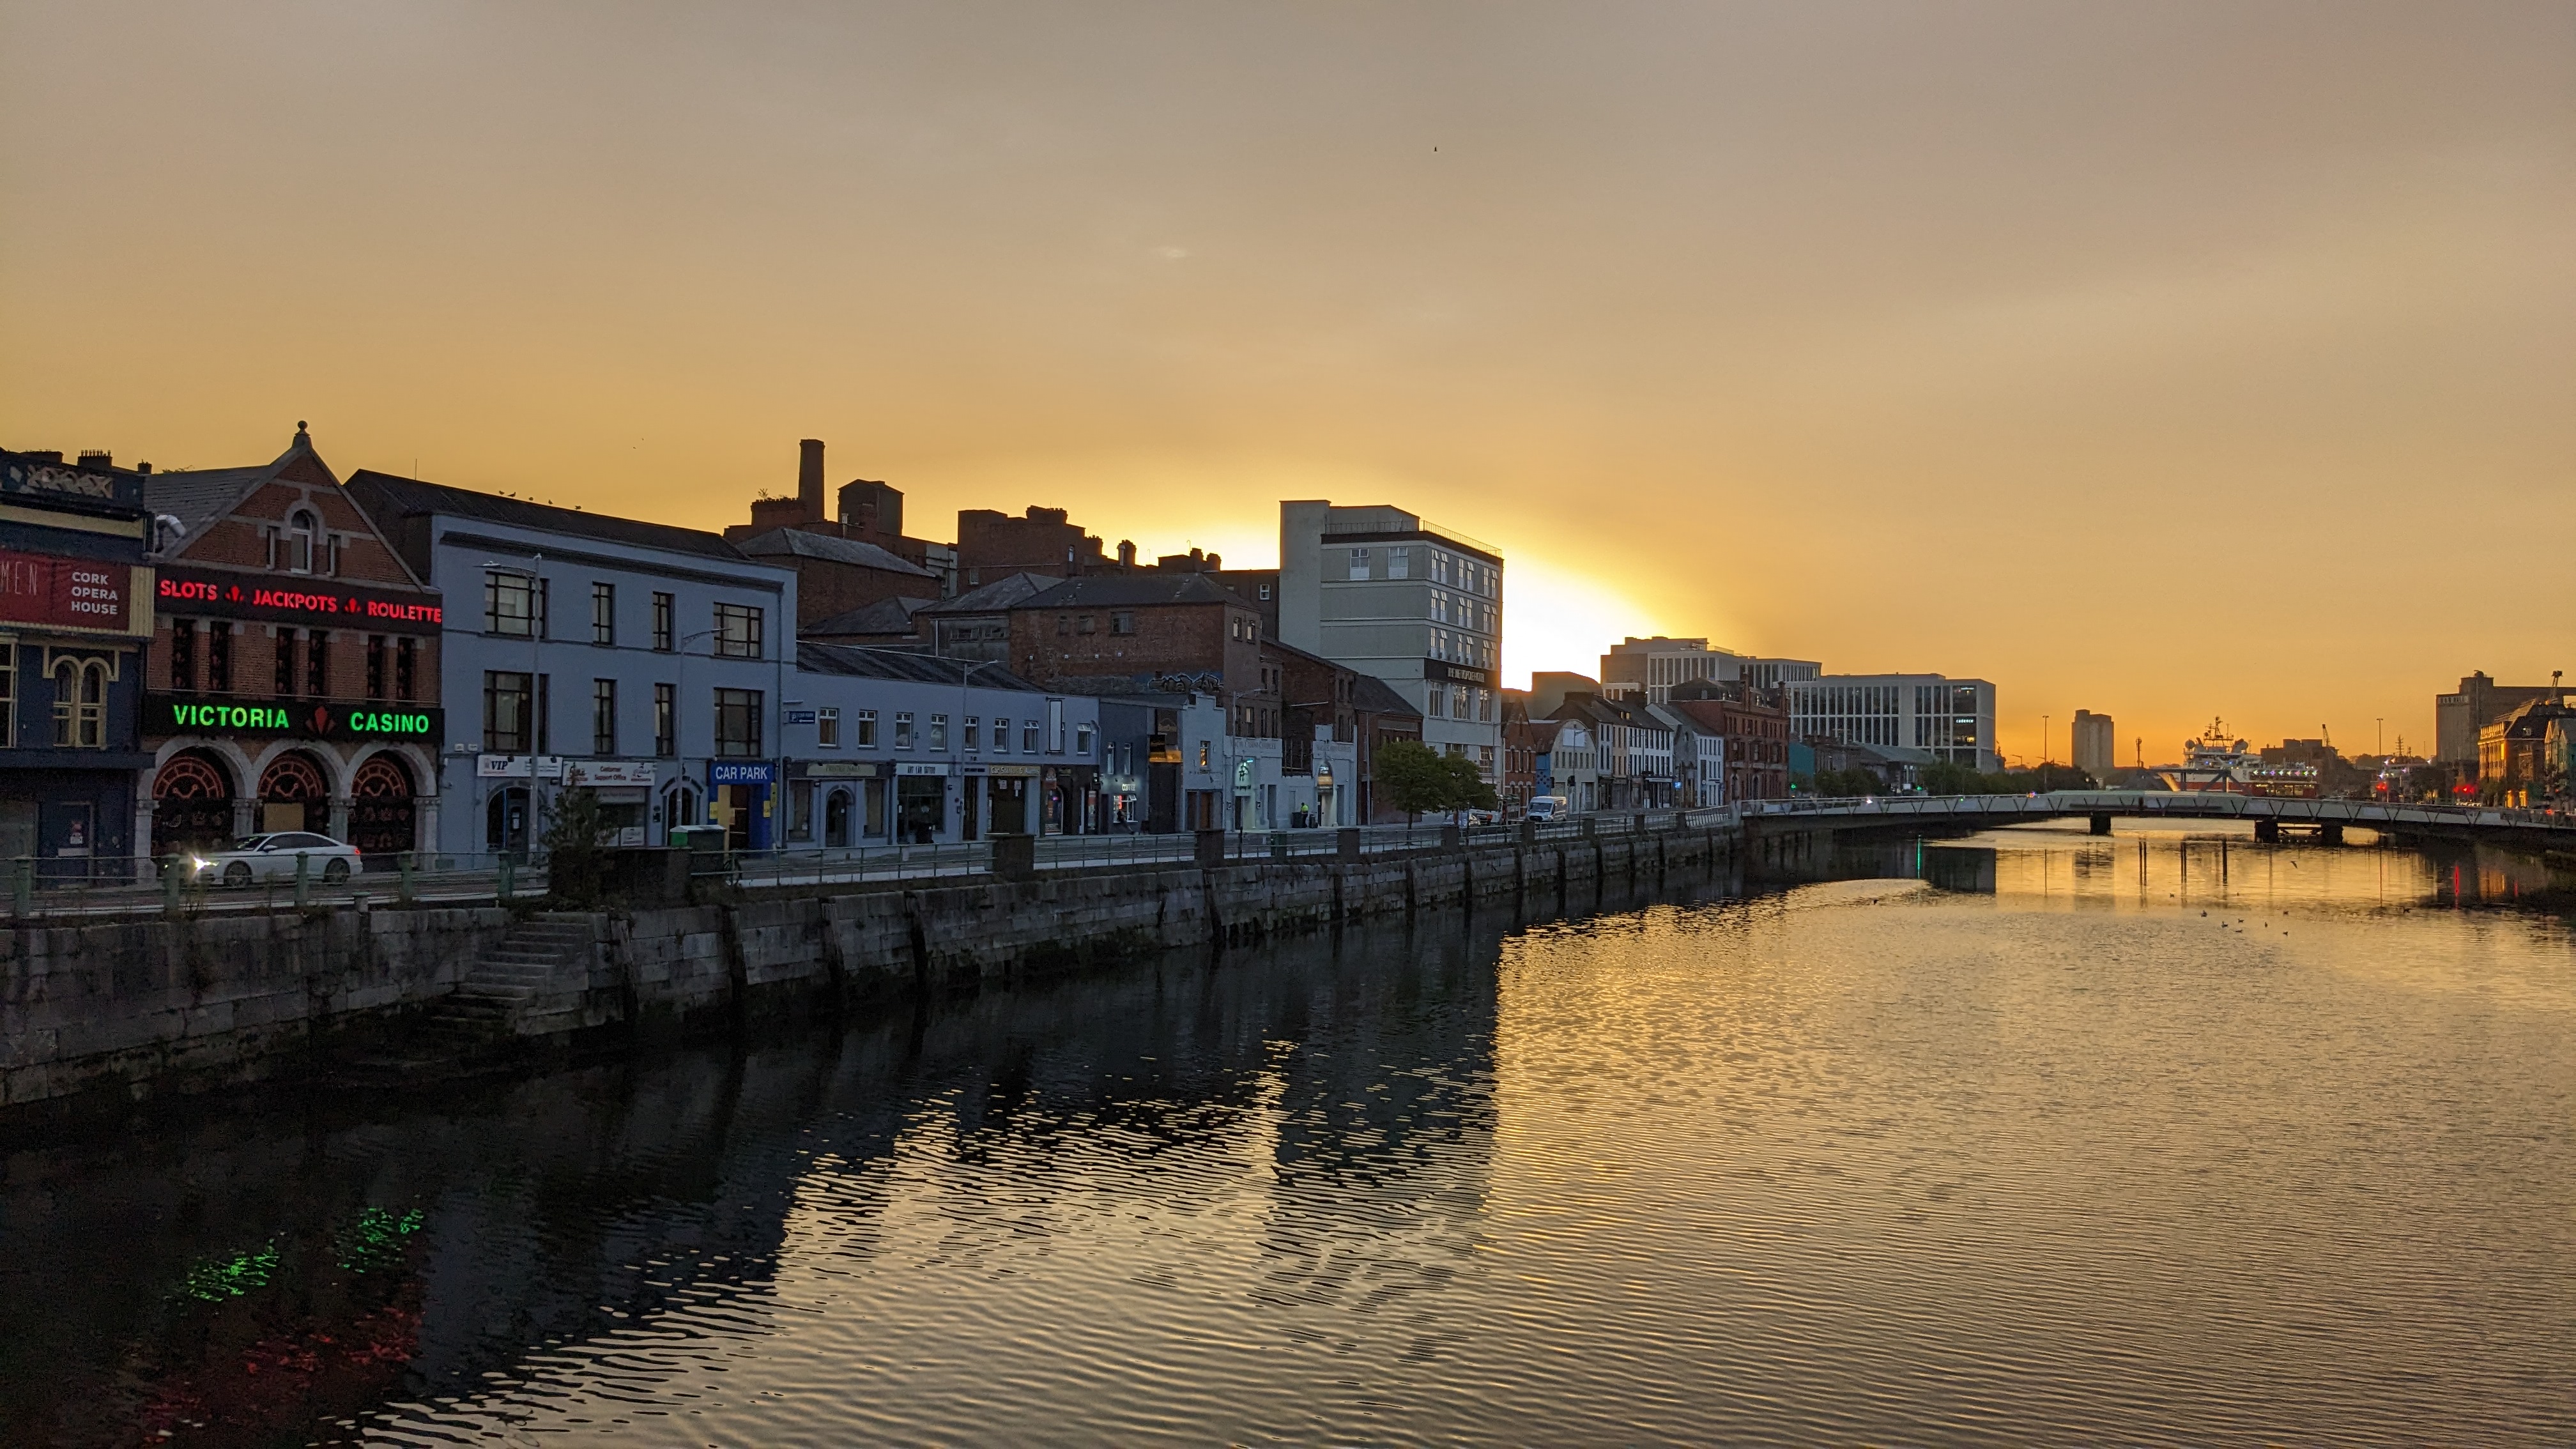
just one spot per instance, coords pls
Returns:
(2154, 1139)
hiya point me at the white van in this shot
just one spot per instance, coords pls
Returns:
(1547, 807)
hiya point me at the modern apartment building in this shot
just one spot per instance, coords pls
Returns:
(1647, 669)
(1405, 601)
(2096, 745)
(1953, 719)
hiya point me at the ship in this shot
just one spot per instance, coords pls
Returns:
(2217, 763)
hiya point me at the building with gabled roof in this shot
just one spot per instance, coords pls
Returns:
(295, 674)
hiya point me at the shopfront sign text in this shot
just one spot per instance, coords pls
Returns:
(313, 602)
(68, 593)
(195, 714)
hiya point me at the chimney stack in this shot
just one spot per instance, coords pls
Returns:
(809, 479)
(1126, 553)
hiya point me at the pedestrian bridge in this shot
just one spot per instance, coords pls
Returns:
(2542, 829)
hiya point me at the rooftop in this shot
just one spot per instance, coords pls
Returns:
(411, 496)
(1120, 591)
(884, 617)
(863, 663)
(998, 595)
(797, 543)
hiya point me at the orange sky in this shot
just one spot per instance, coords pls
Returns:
(2162, 360)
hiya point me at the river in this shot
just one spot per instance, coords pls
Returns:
(2156, 1139)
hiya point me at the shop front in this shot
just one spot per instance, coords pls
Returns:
(1006, 792)
(843, 802)
(227, 768)
(742, 797)
(920, 802)
(624, 792)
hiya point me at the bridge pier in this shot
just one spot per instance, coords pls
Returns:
(2268, 831)
(2330, 833)
(2101, 824)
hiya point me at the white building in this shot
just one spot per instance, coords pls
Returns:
(1699, 759)
(1419, 606)
(1649, 668)
(1953, 719)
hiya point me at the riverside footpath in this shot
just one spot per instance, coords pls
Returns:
(99, 1014)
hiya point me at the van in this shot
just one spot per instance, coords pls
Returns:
(1547, 808)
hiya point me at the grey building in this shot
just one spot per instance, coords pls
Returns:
(911, 748)
(647, 662)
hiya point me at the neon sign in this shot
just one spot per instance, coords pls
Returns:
(247, 597)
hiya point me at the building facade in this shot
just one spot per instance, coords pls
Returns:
(1754, 723)
(76, 609)
(645, 662)
(1406, 602)
(295, 677)
(1951, 719)
(2096, 744)
(2459, 716)
(912, 749)
(1647, 669)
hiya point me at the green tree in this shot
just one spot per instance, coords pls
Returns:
(1945, 777)
(576, 866)
(1467, 787)
(1412, 777)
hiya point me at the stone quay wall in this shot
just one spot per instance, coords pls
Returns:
(114, 1013)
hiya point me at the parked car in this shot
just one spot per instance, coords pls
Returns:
(273, 857)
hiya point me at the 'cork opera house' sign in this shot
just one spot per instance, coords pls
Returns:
(188, 714)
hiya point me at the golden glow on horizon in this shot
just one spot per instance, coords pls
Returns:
(2161, 361)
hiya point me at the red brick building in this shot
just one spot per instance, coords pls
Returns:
(870, 513)
(1161, 631)
(1755, 725)
(293, 677)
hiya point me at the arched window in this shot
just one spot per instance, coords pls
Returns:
(80, 705)
(307, 550)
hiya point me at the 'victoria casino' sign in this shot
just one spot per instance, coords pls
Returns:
(320, 603)
(197, 714)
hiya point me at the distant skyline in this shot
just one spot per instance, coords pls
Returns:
(2175, 361)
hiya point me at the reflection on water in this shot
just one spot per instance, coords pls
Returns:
(2014, 1144)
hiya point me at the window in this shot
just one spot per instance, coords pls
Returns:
(603, 716)
(1265, 593)
(509, 604)
(827, 729)
(1435, 702)
(603, 613)
(737, 631)
(1029, 737)
(284, 678)
(972, 733)
(406, 668)
(663, 615)
(1055, 726)
(867, 722)
(507, 713)
(80, 705)
(738, 723)
(939, 731)
(800, 810)
(1203, 754)
(1063, 626)
(219, 658)
(375, 666)
(8, 691)
(183, 654)
(1359, 563)
(1001, 735)
(1399, 563)
(305, 545)
(317, 663)
(1122, 623)
(666, 720)
(1082, 739)
(903, 731)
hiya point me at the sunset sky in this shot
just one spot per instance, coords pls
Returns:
(2165, 360)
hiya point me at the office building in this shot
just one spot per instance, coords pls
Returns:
(1951, 719)
(2096, 746)
(1647, 669)
(1404, 601)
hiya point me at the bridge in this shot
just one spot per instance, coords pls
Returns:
(2545, 830)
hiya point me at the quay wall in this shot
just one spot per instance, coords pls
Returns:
(116, 1012)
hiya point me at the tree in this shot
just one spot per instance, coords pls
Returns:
(576, 867)
(1419, 780)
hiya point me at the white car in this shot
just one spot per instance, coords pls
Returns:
(273, 857)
